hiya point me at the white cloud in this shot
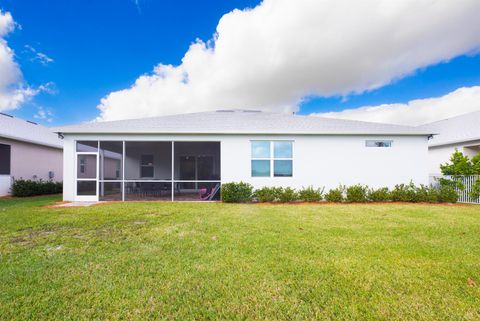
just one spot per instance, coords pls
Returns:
(271, 56)
(39, 56)
(416, 112)
(13, 91)
(44, 114)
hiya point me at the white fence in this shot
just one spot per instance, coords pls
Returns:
(467, 183)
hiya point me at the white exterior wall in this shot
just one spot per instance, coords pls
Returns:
(5, 184)
(320, 161)
(438, 155)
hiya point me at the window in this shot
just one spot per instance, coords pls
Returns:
(378, 143)
(272, 157)
(87, 146)
(83, 162)
(146, 166)
(5, 151)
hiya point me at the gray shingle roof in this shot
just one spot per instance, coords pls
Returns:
(241, 122)
(463, 128)
(19, 129)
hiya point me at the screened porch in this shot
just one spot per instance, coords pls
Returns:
(148, 170)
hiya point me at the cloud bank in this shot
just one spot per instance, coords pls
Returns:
(416, 112)
(271, 56)
(13, 91)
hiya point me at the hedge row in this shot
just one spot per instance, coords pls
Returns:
(244, 193)
(23, 188)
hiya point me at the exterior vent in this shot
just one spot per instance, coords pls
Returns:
(31, 122)
(225, 111)
(6, 115)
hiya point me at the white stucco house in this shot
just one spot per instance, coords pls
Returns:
(29, 151)
(461, 132)
(188, 156)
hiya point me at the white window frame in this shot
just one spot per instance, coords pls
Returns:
(89, 198)
(272, 157)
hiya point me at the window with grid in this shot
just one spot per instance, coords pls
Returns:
(272, 158)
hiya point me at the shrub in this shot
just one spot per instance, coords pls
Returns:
(357, 193)
(267, 194)
(310, 194)
(23, 188)
(446, 194)
(378, 195)
(475, 192)
(237, 192)
(335, 195)
(425, 194)
(403, 193)
(287, 194)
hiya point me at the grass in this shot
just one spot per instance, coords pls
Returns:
(197, 261)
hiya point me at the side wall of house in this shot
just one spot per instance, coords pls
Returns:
(30, 161)
(327, 161)
(321, 161)
(438, 155)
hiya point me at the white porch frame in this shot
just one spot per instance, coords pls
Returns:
(124, 181)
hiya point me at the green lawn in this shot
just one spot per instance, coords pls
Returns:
(238, 262)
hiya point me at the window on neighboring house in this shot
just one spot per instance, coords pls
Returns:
(378, 143)
(5, 155)
(83, 163)
(146, 166)
(272, 158)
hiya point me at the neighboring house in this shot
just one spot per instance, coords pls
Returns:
(461, 132)
(28, 151)
(187, 157)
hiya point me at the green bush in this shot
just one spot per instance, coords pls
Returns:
(475, 192)
(446, 194)
(381, 194)
(23, 188)
(335, 194)
(237, 192)
(267, 194)
(287, 194)
(404, 193)
(310, 194)
(357, 193)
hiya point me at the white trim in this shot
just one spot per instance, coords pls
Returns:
(87, 198)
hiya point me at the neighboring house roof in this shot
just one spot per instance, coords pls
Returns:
(461, 129)
(241, 122)
(26, 131)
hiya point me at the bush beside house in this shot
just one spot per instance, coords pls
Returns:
(244, 193)
(23, 188)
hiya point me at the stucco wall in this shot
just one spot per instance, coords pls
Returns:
(31, 160)
(438, 155)
(317, 160)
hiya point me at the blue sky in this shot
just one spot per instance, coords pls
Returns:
(99, 47)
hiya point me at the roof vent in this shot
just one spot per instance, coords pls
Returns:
(252, 111)
(225, 111)
(31, 122)
(6, 115)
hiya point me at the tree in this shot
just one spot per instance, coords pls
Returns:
(461, 165)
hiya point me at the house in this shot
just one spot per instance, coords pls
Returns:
(461, 132)
(29, 151)
(188, 156)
